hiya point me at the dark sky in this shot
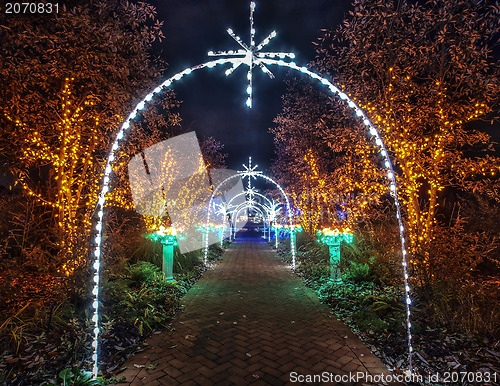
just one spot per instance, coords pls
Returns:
(213, 104)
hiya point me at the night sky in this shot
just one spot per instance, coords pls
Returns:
(213, 104)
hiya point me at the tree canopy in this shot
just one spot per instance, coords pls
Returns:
(68, 79)
(424, 73)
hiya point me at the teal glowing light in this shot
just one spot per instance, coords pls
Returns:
(334, 236)
(208, 228)
(294, 228)
(164, 235)
(167, 237)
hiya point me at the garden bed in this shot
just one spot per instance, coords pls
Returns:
(376, 314)
(49, 341)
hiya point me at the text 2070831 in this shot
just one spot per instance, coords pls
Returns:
(38, 8)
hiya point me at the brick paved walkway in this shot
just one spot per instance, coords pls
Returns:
(249, 321)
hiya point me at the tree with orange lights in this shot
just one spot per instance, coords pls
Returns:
(425, 74)
(328, 166)
(149, 130)
(67, 82)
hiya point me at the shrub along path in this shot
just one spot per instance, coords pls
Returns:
(249, 320)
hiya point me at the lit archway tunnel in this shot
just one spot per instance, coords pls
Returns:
(251, 58)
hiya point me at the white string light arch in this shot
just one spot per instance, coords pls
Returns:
(245, 192)
(251, 56)
(270, 209)
(233, 209)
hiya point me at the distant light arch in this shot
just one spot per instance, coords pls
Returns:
(248, 206)
(269, 179)
(246, 192)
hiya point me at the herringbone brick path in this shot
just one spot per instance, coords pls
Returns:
(249, 321)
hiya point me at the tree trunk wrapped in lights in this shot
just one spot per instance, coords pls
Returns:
(326, 166)
(60, 99)
(422, 73)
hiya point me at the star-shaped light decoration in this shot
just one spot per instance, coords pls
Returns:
(250, 172)
(251, 192)
(250, 203)
(251, 55)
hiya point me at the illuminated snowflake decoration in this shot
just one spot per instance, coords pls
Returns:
(250, 172)
(251, 203)
(251, 55)
(252, 192)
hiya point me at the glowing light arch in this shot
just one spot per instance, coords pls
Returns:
(250, 172)
(247, 205)
(251, 194)
(246, 192)
(254, 205)
(140, 106)
(267, 209)
(250, 61)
